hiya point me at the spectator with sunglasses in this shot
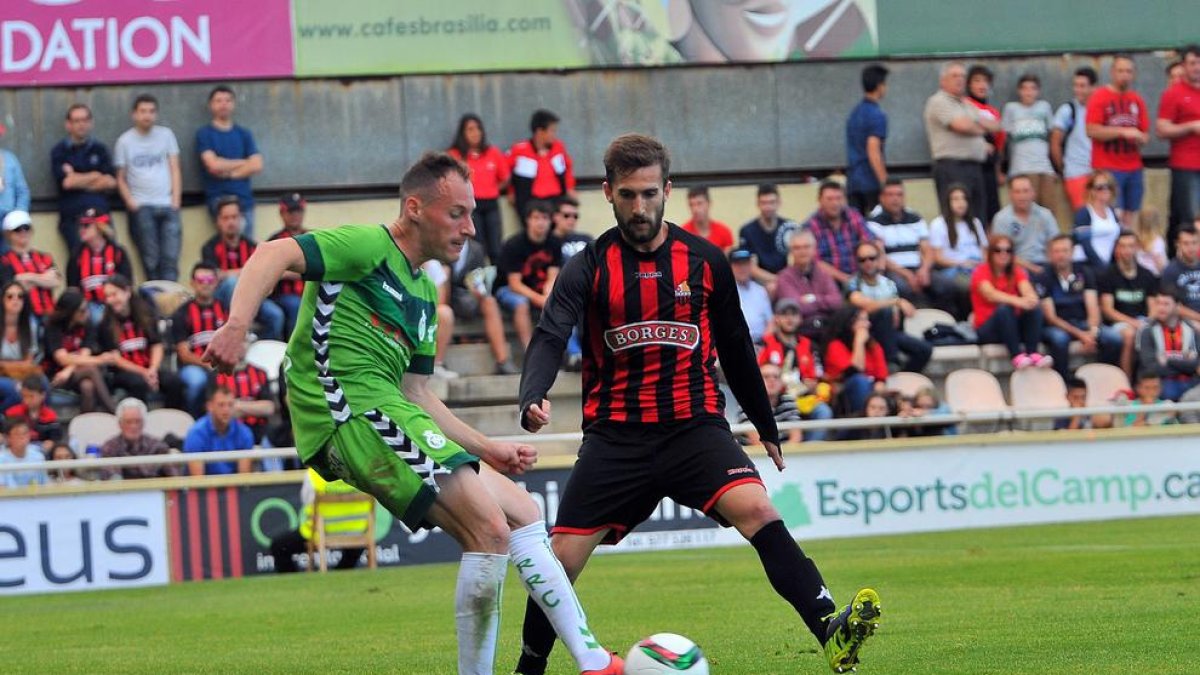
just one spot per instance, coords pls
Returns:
(33, 269)
(879, 297)
(96, 259)
(1097, 224)
(193, 327)
(20, 343)
(1007, 309)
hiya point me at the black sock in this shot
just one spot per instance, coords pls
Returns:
(537, 639)
(794, 576)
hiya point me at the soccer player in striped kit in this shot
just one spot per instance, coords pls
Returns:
(358, 368)
(656, 305)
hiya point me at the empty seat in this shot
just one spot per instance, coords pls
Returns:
(164, 421)
(974, 390)
(908, 384)
(1037, 389)
(1103, 381)
(92, 428)
(267, 355)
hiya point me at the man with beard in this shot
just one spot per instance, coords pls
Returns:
(657, 305)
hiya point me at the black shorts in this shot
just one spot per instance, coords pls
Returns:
(623, 473)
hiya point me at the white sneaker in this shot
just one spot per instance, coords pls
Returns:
(443, 372)
(1042, 360)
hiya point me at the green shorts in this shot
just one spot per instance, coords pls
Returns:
(393, 453)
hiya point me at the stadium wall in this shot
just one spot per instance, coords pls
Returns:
(164, 529)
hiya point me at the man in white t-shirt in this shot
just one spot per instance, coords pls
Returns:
(1070, 147)
(148, 178)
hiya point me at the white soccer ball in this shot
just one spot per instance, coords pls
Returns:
(664, 653)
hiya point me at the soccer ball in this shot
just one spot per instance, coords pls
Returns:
(663, 653)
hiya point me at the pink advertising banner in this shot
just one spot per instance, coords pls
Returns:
(52, 42)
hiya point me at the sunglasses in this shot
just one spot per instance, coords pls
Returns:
(11, 296)
(1002, 250)
(572, 216)
(22, 228)
(205, 278)
(1101, 186)
(868, 258)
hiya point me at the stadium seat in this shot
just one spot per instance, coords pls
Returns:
(167, 295)
(92, 428)
(973, 390)
(926, 318)
(908, 384)
(163, 421)
(1037, 389)
(320, 542)
(1103, 381)
(267, 355)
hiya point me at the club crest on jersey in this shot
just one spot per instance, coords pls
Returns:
(645, 333)
(683, 293)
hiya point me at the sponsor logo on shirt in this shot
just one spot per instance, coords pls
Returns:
(645, 333)
(683, 293)
(656, 274)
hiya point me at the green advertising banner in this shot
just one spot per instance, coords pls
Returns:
(390, 37)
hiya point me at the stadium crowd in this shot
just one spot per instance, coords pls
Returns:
(1073, 268)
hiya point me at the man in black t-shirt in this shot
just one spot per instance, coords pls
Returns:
(529, 263)
(1124, 288)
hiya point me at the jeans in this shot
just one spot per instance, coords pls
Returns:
(1058, 343)
(68, 227)
(947, 172)
(509, 299)
(1020, 333)
(247, 206)
(195, 386)
(951, 289)
(822, 411)
(1173, 389)
(856, 389)
(1185, 203)
(1131, 187)
(270, 316)
(290, 304)
(488, 227)
(159, 239)
(895, 341)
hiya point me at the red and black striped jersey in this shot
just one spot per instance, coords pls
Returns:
(195, 324)
(90, 268)
(71, 339)
(41, 300)
(652, 325)
(226, 256)
(288, 286)
(131, 339)
(247, 384)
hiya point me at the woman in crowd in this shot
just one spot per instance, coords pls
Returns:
(97, 256)
(69, 363)
(20, 344)
(128, 334)
(1097, 224)
(1007, 309)
(1152, 248)
(957, 240)
(853, 359)
(489, 178)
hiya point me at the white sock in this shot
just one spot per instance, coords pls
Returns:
(547, 583)
(477, 610)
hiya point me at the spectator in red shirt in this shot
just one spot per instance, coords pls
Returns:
(129, 333)
(1007, 309)
(44, 426)
(490, 174)
(1117, 122)
(290, 290)
(853, 359)
(1179, 122)
(715, 231)
(228, 250)
(540, 165)
(96, 258)
(979, 87)
(792, 353)
(27, 266)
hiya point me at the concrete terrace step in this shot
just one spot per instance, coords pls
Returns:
(501, 420)
(484, 389)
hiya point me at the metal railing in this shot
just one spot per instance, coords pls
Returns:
(1002, 418)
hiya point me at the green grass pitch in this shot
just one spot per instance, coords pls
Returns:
(1110, 597)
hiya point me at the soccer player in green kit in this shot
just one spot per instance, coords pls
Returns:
(358, 367)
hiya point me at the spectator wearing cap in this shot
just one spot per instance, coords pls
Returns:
(871, 291)
(808, 285)
(96, 259)
(290, 290)
(148, 178)
(83, 171)
(14, 191)
(33, 269)
(228, 157)
(44, 427)
(227, 251)
(756, 304)
(784, 348)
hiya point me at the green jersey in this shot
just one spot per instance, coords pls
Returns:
(366, 319)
